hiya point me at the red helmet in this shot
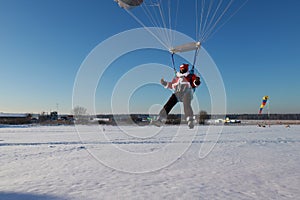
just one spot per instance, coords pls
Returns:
(184, 67)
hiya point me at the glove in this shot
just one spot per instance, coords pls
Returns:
(163, 82)
(197, 81)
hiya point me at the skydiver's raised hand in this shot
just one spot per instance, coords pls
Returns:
(163, 82)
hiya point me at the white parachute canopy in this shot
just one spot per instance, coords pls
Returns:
(203, 17)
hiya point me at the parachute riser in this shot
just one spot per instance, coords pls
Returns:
(173, 63)
(195, 59)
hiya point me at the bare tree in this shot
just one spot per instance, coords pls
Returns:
(78, 110)
(80, 114)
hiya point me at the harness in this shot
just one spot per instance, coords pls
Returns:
(192, 71)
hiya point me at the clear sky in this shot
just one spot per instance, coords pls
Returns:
(44, 42)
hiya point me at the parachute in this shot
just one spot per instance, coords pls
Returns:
(201, 18)
(128, 4)
(263, 104)
(206, 16)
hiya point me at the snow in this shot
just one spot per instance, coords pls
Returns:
(130, 162)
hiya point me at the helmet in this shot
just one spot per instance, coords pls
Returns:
(184, 68)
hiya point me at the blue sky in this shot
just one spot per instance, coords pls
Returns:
(43, 43)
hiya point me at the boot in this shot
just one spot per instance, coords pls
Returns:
(190, 122)
(158, 122)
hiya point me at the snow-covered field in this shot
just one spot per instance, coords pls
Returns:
(110, 162)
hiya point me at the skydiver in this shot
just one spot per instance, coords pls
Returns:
(184, 84)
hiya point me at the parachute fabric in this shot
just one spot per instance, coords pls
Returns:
(128, 4)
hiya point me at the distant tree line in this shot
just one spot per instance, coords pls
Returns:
(80, 116)
(264, 116)
(202, 117)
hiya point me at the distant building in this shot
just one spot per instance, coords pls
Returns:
(215, 121)
(67, 117)
(15, 118)
(54, 115)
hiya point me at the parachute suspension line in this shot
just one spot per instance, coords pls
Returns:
(164, 25)
(153, 17)
(147, 28)
(201, 20)
(162, 15)
(211, 20)
(196, 13)
(157, 18)
(170, 22)
(207, 16)
(173, 16)
(176, 17)
(197, 21)
(166, 18)
(218, 20)
(153, 11)
(212, 32)
(172, 37)
(149, 16)
(204, 25)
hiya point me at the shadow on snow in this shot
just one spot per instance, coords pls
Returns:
(27, 196)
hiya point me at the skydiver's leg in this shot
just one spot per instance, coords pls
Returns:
(188, 111)
(187, 99)
(168, 107)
